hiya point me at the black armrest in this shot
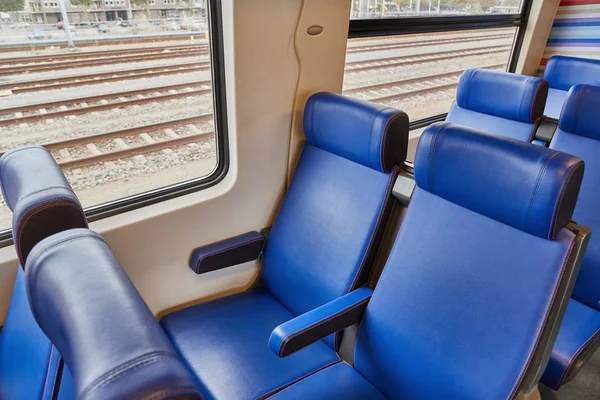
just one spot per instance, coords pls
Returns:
(89, 309)
(226, 253)
(39, 195)
(305, 329)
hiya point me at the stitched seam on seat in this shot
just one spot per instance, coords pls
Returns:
(48, 371)
(196, 268)
(576, 356)
(388, 198)
(296, 381)
(384, 136)
(54, 386)
(522, 99)
(43, 206)
(544, 320)
(287, 338)
(541, 175)
(431, 156)
(125, 369)
(44, 189)
(560, 198)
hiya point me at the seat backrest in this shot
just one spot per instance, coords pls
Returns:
(578, 133)
(475, 276)
(329, 225)
(499, 102)
(563, 72)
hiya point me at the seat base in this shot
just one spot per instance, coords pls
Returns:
(339, 381)
(578, 340)
(225, 343)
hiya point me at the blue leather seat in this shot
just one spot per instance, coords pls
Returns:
(579, 337)
(475, 283)
(499, 102)
(43, 203)
(562, 72)
(319, 248)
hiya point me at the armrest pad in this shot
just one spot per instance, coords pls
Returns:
(233, 251)
(87, 306)
(39, 195)
(319, 323)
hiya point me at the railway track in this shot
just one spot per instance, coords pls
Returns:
(119, 144)
(393, 62)
(429, 42)
(76, 56)
(89, 104)
(119, 59)
(41, 85)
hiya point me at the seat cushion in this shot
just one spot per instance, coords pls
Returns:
(578, 339)
(225, 343)
(339, 381)
(28, 361)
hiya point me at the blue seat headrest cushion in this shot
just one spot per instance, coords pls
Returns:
(370, 134)
(502, 94)
(39, 195)
(492, 175)
(581, 112)
(562, 72)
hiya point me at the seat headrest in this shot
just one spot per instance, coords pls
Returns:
(39, 195)
(529, 187)
(580, 114)
(82, 299)
(370, 134)
(502, 94)
(562, 72)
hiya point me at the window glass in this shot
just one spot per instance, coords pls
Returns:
(419, 73)
(426, 8)
(130, 112)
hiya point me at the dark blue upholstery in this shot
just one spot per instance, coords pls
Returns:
(28, 361)
(499, 102)
(339, 381)
(464, 300)
(85, 303)
(43, 203)
(563, 72)
(579, 134)
(39, 196)
(307, 262)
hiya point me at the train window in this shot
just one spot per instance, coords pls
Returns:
(419, 73)
(410, 54)
(410, 8)
(135, 116)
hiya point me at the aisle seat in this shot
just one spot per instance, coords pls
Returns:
(579, 338)
(563, 72)
(320, 247)
(470, 299)
(499, 102)
(42, 203)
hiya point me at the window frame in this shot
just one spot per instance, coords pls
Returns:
(377, 27)
(216, 43)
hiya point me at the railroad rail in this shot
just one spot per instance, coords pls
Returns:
(119, 59)
(41, 85)
(84, 105)
(154, 137)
